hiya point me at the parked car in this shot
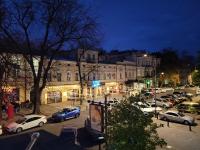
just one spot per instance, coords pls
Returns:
(162, 103)
(113, 102)
(169, 99)
(26, 122)
(175, 116)
(66, 113)
(190, 107)
(177, 93)
(147, 108)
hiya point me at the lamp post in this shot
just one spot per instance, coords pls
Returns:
(144, 55)
(155, 80)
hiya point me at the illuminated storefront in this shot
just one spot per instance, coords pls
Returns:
(55, 94)
(10, 94)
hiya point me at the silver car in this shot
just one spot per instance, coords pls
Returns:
(175, 116)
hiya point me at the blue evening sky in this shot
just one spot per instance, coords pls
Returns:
(149, 24)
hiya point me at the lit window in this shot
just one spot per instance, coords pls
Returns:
(76, 76)
(68, 76)
(58, 76)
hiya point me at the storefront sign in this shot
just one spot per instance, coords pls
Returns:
(95, 83)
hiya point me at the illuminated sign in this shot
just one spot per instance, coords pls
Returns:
(95, 83)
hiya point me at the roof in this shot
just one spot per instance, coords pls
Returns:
(31, 116)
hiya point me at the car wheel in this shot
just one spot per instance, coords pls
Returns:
(77, 115)
(19, 130)
(186, 122)
(146, 113)
(62, 119)
(41, 124)
(164, 118)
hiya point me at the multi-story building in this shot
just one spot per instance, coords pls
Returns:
(63, 79)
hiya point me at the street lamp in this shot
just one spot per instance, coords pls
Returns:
(144, 55)
(155, 80)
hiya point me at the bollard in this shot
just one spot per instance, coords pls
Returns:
(190, 128)
(161, 125)
(168, 123)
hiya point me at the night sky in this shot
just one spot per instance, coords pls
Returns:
(149, 24)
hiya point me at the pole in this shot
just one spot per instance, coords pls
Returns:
(136, 71)
(34, 138)
(155, 88)
(106, 119)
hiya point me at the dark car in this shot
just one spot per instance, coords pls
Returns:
(190, 107)
(66, 113)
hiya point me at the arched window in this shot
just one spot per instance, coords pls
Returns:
(68, 76)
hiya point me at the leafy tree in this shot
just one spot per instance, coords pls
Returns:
(129, 129)
(43, 28)
(6, 64)
(196, 77)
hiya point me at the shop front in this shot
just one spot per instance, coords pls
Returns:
(56, 94)
(54, 97)
(10, 94)
(112, 88)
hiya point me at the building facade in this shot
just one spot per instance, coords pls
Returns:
(63, 80)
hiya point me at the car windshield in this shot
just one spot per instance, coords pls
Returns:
(20, 120)
(66, 110)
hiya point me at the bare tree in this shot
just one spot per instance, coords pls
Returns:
(84, 46)
(41, 29)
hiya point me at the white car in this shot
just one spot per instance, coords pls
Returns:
(1, 132)
(147, 108)
(162, 103)
(26, 122)
(176, 116)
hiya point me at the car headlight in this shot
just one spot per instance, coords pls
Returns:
(11, 129)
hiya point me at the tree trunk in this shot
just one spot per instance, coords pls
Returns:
(36, 100)
(81, 98)
(81, 82)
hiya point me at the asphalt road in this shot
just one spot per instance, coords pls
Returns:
(51, 137)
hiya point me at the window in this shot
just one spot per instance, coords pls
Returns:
(68, 76)
(32, 119)
(113, 75)
(58, 76)
(172, 114)
(76, 76)
(104, 76)
(49, 77)
(120, 75)
(109, 76)
(93, 57)
(88, 56)
(94, 76)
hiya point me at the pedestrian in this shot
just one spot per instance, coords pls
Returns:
(10, 111)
